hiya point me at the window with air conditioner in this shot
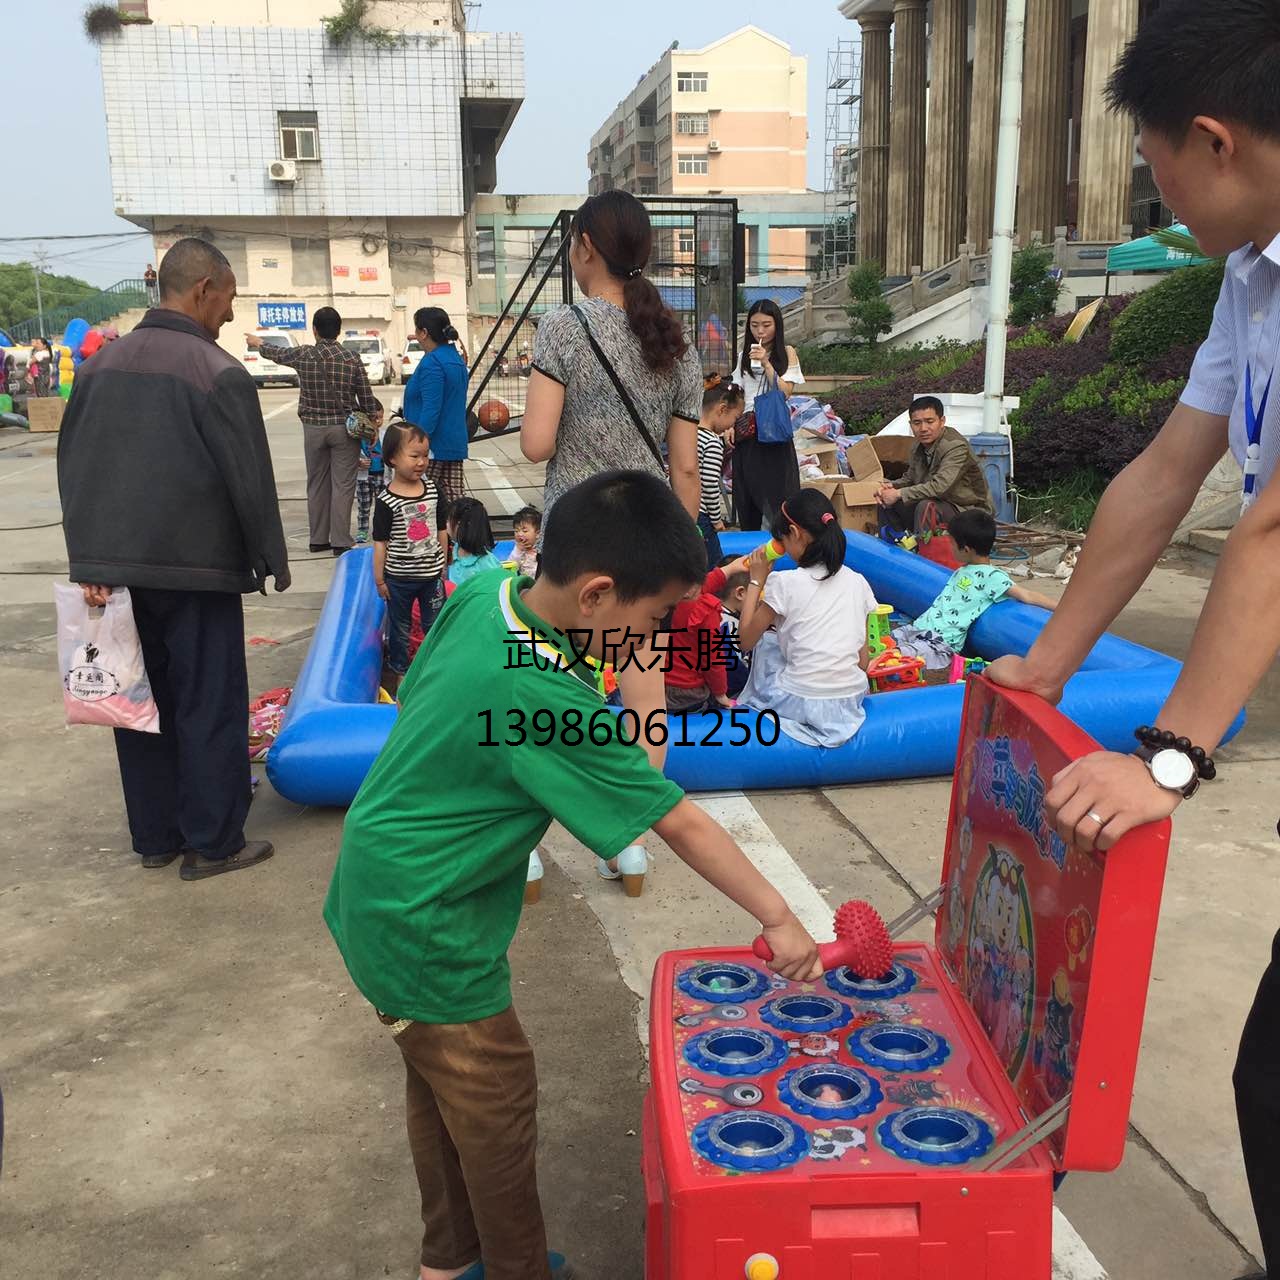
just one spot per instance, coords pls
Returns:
(299, 135)
(486, 252)
(696, 124)
(691, 164)
(691, 82)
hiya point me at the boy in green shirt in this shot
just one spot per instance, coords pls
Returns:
(502, 729)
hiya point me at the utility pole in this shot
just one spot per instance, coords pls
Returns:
(1005, 208)
(41, 257)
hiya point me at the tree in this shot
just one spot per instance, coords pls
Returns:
(18, 292)
(870, 315)
(1033, 291)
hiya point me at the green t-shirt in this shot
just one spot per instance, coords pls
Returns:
(428, 888)
(970, 591)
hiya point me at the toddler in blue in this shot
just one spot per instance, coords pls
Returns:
(472, 539)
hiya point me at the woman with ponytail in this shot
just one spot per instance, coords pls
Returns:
(435, 399)
(806, 628)
(576, 419)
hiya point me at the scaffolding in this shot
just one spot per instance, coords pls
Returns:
(844, 114)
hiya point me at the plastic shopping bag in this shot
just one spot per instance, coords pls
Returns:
(104, 679)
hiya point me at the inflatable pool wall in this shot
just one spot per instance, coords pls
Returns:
(334, 728)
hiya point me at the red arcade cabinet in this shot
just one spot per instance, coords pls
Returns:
(910, 1128)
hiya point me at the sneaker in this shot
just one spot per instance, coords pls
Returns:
(560, 1268)
(533, 882)
(363, 536)
(195, 866)
(632, 862)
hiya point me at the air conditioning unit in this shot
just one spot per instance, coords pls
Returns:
(283, 171)
(713, 145)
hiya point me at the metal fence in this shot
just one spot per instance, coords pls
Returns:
(696, 264)
(96, 308)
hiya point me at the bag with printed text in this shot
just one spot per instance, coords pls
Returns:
(104, 678)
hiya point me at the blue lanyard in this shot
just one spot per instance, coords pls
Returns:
(1253, 430)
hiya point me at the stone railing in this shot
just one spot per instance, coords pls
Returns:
(822, 309)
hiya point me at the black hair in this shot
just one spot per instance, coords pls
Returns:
(382, 408)
(396, 436)
(527, 515)
(975, 530)
(621, 234)
(732, 581)
(189, 261)
(434, 322)
(629, 526)
(1219, 59)
(922, 404)
(327, 323)
(470, 522)
(778, 350)
(723, 391)
(811, 510)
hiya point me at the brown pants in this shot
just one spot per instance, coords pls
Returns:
(447, 478)
(332, 459)
(471, 1103)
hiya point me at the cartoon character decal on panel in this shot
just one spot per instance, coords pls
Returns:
(1054, 1053)
(1001, 952)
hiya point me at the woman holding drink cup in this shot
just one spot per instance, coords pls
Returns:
(764, 475)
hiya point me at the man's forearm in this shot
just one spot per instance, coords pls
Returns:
(1238, 635)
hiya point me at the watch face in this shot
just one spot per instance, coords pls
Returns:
(1172, 769)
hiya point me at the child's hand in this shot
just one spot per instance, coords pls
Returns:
(758, 563)
(795, 954)
(383, 592)
(725, 701)
(363, 463)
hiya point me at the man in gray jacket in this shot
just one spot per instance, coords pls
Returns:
(167, 489)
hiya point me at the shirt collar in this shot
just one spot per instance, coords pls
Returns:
(1244, 260)
(540, 638)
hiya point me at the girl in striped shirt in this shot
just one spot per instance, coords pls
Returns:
(722, 402)
(408, 542)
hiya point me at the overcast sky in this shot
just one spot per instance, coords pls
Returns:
(578, 64)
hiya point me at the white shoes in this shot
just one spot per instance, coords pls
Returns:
(533, 884)
(632, 862)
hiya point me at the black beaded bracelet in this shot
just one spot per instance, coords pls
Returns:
(1164, 740)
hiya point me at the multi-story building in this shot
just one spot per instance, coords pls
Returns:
(930, 101)
(329, 173)
(728, 119)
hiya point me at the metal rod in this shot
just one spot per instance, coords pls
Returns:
(925, 907)
(1028, 1136)
(39, 263)
(1005, 210)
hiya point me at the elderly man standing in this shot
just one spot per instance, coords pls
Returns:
(187, 532)
(942, 470)
(332, 383)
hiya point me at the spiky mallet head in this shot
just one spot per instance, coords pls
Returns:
(864, 940)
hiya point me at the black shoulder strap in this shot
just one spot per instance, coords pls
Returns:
(619, 388)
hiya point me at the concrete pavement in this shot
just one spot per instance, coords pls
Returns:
(193, 1087)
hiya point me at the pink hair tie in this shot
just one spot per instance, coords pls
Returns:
(827, 517)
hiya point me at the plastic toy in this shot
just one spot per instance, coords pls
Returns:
(773, 550)
(862, 943)
(962, 668)
(334, 728)
(911, 1127)
(889, 668)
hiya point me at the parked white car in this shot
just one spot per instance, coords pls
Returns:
(372, 349)
(262, 370)
(409, 359)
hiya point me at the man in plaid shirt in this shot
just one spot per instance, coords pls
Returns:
(332, 383)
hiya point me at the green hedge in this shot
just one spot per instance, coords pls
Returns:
(1178, 311)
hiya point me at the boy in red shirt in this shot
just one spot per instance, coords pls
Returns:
(697, 676)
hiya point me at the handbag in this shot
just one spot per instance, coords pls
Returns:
(360, 427)
(773, 417)
(645, 434)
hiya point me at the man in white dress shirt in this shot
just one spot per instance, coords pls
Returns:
(1201, 79)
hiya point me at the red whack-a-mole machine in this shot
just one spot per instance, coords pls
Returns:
(910, 1126)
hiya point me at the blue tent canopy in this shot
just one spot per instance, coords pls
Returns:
(1148, 254)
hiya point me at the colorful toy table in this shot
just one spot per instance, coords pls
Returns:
(911, 1128)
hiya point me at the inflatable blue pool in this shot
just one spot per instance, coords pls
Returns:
(334, 728)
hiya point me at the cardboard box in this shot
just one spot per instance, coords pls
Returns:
(44, 413)
(854, 501)
(825, 451)
(870, 463)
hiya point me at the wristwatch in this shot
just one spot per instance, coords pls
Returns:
(1172, 769)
